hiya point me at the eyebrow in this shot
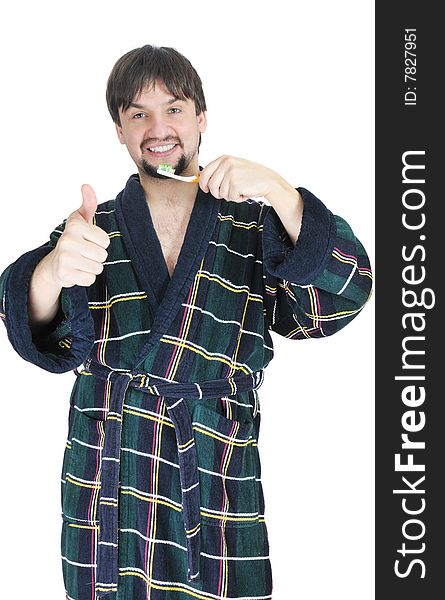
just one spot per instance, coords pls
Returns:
(171, 101)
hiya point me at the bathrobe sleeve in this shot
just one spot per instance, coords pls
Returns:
(322, 282)
(65, 342)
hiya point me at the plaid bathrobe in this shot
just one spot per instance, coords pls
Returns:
(161, 480)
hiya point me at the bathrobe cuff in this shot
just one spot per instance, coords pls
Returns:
(64, 343)
(303, 262)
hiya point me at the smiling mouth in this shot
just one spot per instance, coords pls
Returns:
(164, 149)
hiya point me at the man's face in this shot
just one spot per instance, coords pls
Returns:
(156, 119)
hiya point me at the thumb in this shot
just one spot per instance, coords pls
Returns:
(89, 203)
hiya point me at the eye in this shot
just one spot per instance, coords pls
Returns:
(137, 115)
(175, 108)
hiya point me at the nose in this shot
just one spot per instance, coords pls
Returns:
(158, 128)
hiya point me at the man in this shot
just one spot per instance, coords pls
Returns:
(167, 295)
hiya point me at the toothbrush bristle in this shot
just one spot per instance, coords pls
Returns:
(166, 167)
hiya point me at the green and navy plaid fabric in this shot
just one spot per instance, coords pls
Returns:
(238, 278)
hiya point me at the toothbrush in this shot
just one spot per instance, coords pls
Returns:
(169, 171)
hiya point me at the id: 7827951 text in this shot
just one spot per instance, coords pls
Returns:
(410, 97)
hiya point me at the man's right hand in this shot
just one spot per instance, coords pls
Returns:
(76, 260)
(81, 249)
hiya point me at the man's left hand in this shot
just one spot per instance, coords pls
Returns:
(237, 179)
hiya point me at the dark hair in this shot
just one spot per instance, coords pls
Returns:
(142, 66)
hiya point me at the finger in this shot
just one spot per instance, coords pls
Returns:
(215, 182)
(96, 235)
(79, 270)
(225, 188)
(94, 251)
(207, 172)
(89, 266)
(82, 278)
(235, 195)
(89, 203)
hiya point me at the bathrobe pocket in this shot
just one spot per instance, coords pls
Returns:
(82, 466)
(226, 469)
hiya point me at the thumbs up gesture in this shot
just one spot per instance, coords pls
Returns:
(81, 249)
(89, 204)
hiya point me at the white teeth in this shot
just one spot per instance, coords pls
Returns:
(162, 148)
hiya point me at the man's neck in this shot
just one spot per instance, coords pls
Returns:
(167, 195)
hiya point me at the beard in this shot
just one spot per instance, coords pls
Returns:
(180, 166)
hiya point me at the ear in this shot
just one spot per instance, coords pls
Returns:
(202, 121)
(120, 133)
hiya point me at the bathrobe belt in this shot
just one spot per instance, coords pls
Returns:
(174, 393)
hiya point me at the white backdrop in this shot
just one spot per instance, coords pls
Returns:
(289, 85)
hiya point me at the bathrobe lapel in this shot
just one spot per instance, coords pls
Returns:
(141, 242)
